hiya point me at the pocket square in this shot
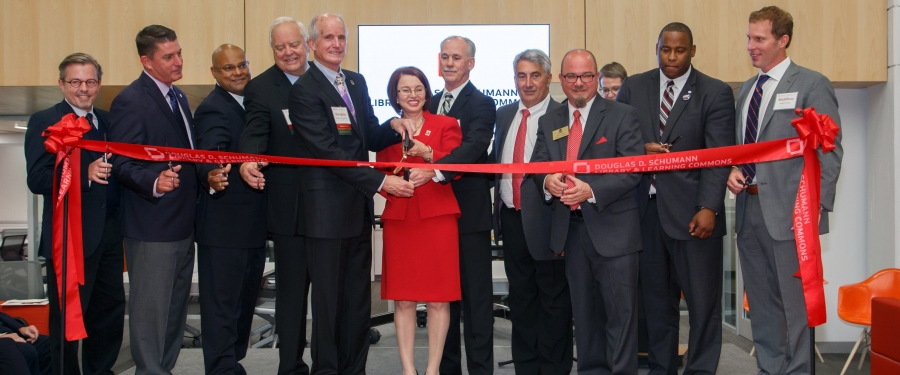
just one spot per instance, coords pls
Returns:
(601, 140)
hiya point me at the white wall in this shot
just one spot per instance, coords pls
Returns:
(13, 188)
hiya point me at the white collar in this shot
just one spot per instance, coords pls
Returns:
(541, 106)
(163, 88)
(679, 82)
(777, 71)
(584, 111)
(455, 92)
(239, 98)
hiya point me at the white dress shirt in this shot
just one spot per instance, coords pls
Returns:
(775, 75)
(509, 144)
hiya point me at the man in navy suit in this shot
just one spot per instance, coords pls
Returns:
(23, 349)
(158, 203)
(102, 296)
(333, 118)
(682, 212)
(231, 222)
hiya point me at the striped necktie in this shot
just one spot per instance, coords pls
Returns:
(752, 128)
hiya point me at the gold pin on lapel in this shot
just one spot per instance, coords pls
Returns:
(561, 132)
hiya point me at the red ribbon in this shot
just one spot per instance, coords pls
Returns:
(62, 140)
(814, 130)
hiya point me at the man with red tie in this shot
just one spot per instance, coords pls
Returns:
(540, 307)
(595, 220)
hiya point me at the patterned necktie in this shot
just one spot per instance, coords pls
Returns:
(448, 102)
(519, 157)
(573, 146)
(90, 119)
(752, 128)
(173, 102)
(665, 106)
(339, 82)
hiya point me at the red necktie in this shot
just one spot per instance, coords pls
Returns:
(519, 157)
(572, 147)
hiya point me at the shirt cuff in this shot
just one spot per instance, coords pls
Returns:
(212, 191)
(382, 185)
(593, 198)
(153, 189)
(438, 177)
(547, 195)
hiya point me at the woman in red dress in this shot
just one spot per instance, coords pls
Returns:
(421, 245)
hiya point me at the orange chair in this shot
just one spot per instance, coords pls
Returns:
(753, 349)
(855, 304)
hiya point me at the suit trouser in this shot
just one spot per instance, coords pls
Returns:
(160, 285)
(291, 293)
(539, 303)
(229, 280)
(604, 303)
(340, 271)
(476, 307)
(668, 267)
(17, 358)
(102, 306)
(775, 296)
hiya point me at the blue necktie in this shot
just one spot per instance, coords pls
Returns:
(752, 128)
(173, 102)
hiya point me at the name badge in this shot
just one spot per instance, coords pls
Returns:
(287, 119)
(342, 120)
(785, 101)
(561, 132)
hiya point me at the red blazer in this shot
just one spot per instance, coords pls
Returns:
(443, 134)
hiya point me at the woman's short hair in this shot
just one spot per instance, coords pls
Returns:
(395, 80)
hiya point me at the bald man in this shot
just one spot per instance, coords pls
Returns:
(231, 221)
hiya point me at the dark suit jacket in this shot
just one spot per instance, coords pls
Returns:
(334, 201)
(536, 216)
(40, 178)
(140, 114)
(8, 323)
(267, 132)
(703, 117)
(613, 222)
(475, 113)
(779, 180)
(236, 216)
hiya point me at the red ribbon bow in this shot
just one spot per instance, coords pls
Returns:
(62, 140)
(814, 130)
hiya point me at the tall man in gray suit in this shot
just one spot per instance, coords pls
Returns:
(595, 220)
(682, 212)
(766, 191)
(540, 307)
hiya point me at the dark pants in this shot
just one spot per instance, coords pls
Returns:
(291, 293)
(477, 309)
(604, 294)
(340, 271)
(160, 284)
(17, 358)
(102, 306)
(229, 281)
(539, 303)
(668, 268)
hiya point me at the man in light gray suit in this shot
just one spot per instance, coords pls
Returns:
(682, 212)
(540, 307)
(595, 219)
(766, 191)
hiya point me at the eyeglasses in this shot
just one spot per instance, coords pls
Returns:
(76, 83)
(419, 90)
(230, 68)
(586, 77)
(606, 91)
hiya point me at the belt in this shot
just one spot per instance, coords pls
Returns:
(577, 213)
(753, 189)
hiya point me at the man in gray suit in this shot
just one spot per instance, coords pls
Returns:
(595, 219)
(540, 307)
(766, 191)
(682, 212)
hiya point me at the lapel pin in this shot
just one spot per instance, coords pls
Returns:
(351, 82)
(428, 133)
(686, 96)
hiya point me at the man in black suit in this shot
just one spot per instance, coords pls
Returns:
(269, 131)
(231, 222)
(103, 295)
(595, 216)
(23, 350)
(539, 303)
(475, 113)
(682, 212)
(334, 120)
(158, 206)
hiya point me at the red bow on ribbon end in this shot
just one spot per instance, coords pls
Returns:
(62, 139)
(814, 130)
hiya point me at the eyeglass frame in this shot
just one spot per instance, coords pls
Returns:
(572, 77)
(76, 83)
(231, 68)
(418, 90)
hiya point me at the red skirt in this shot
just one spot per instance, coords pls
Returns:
(421, 258)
